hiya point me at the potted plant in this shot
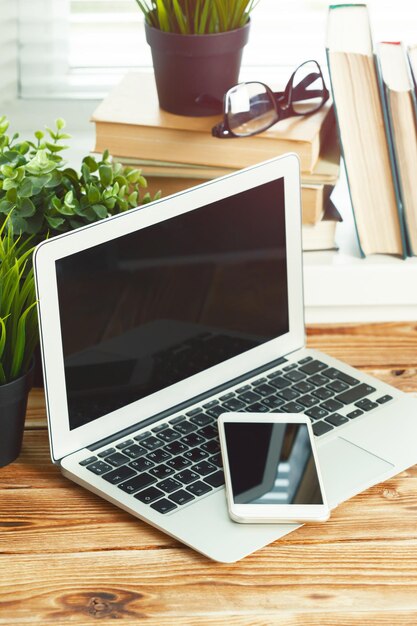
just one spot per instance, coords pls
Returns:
(196, 50)
(45, 197)
(18, 338)
(41, 197)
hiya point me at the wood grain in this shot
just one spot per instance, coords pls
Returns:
(69, 557)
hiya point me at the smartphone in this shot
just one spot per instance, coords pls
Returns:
(271, 468)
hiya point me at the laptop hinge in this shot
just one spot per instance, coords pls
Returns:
(184, 405)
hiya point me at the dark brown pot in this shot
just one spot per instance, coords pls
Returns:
(13, 403)
(193, 72)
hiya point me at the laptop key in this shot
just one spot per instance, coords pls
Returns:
(158, 456)
(195, 454)
(227, 396)
(215, 480)
(187, 476)
(151, 443)
(138, 482)
(149, 495)
(259, 381)
(134, 451)
(289, 394)
(179, 463)
(316, 413)
(366, 404)
(176, 447)
(208, 432)
(216, 460)
(211, 446)
(293, 407)
(106, 452)
(233, 405)
(313, 367)
(332, 372)
(117, 459)
(287, 368)
(384, 399)
(306, 359)
(184, 428)
(204, 468)
(336, 419)
(280, 382)
(250, 396)
(295, 376)
(331, 405)
(193, 412)
(354, 414)
(272, 402)
(177, 419)
(124, 444)
(320, 428)
(163, 506)
(199, 488)
(201, 420)
(303, 387)
(308, 400)
(257, 407)
(323, 393)
(99, 467)
(142, 464)
(181, 497)
(90, 459)
(192, 440)
(337, 386)
(161, 471)
(318, 380)
(355, 393)
(169, 485)
(216, 411)
(169, 434)
(209, 405)
(119, 474)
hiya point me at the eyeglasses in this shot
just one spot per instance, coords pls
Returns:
(250, 108)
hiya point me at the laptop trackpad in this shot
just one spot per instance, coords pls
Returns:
(347, 469)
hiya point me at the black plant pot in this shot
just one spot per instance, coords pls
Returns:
(193, 72)
(13, 403)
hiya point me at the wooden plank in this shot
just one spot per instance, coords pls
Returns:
(173, 583)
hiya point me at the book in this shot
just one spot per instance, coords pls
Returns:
(322, 235)
(326, 171)
(362, 122)
(314, 198)
(130, 123)
(401, 106)
(412, 57)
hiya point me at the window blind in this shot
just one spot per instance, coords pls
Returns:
(80, 48)
(8, 51)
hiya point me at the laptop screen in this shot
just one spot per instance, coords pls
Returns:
(144, 311)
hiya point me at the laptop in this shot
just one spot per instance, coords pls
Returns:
(155, 322)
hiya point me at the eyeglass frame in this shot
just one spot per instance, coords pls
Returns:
(222, 130)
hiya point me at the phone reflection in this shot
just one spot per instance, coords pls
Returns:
(272, 464)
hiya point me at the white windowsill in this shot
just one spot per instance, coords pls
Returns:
(338, 286)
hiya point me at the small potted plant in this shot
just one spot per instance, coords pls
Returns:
(196, 50)
(18, 338)
(41, 197)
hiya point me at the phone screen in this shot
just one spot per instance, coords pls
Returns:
(271, 464)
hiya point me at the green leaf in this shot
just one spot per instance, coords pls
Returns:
(69, 199)
(54, 222)
(6, 206)
(93, 195)
(91, 163)
(25, 189)
(100, 210)
(39, 134)
(19, 347)
(41, 163)
(8, 183)
(106, 175)
(26, 208)
(60, 123)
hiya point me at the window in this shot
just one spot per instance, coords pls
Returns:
(80, 48)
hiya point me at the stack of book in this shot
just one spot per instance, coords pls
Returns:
(177, 152)
(374, 96)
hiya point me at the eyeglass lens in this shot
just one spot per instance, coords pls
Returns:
(308, 88)
(250, 109)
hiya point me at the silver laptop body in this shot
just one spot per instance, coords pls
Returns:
(154, 322)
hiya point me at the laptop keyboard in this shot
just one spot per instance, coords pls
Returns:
(177, 461)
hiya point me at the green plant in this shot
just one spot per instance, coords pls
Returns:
(196, 17)
(18, 319)
(45, 197)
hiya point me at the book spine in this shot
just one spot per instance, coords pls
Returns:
(362, 253)
(386, 112)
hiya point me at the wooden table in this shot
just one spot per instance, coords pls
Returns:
(68, 557)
